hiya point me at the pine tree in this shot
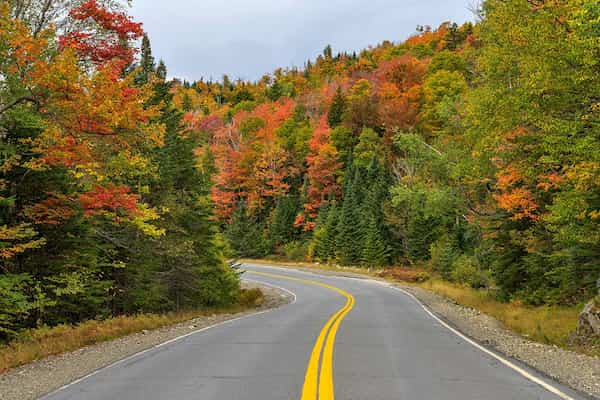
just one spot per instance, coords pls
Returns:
(190, 266)
(319, 233)
(282, 225)
(350, 228)
(375, 251)
(328, 52)
(147, 64)
(161, 70)
(147, 60)
(244, 234)
(337, 108)
(328, 240)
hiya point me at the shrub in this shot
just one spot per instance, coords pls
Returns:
(443, 253)
(251, 297)
(295, 251)
(465, 270)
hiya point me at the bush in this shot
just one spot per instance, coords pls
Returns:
(443, 253)
(251, 297)
(295, 251)
(465, 270)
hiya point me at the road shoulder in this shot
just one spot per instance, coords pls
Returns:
(578, 371)
(38, 378)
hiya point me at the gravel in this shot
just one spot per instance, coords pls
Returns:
(578, 371)
(38, 378)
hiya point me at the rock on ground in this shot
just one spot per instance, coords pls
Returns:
(589, 322)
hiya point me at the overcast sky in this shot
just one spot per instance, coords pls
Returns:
(248, 38)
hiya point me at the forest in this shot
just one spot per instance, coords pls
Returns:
(471, 151)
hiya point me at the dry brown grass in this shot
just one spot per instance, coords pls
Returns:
(550, 325)
(43, 342)
(413, 275)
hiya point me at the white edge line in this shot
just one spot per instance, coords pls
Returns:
(139, 353)
(503, 360)
(294, 297)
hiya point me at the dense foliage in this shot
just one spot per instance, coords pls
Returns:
(472, 149)
(104, 209)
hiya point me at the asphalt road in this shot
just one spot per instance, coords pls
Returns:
(387, 347)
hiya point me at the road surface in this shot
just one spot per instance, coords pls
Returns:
(349, 338)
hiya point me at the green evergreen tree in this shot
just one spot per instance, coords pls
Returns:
(329, 237)
(350, 226)
(282, 228)
(375, 251)
(185, 268)
(336, 110)
(245, 234)
(147, 64)
(328, 52)
(161, 70)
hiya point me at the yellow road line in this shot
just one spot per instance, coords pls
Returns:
(315, 385)
(326, 378)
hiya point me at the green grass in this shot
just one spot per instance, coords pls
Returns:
(38, 343)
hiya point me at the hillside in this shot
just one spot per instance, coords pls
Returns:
(469, 151)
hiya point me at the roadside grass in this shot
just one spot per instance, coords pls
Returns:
(545, 324)
(42, 342)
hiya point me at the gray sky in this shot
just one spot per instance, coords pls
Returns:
(248, 38)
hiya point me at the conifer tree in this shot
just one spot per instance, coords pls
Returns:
(147, 64)
(161, 70)
(350, 227)
(187, 263)
(319, 233)
(244, 234)
(375, 251)
(337, 108)
(282, 225)
(146, 59)
(329, 236)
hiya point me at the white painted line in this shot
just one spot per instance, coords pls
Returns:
(274, 286)
(503, 360)
(75, 382)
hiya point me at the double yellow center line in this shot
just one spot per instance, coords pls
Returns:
(318, 384)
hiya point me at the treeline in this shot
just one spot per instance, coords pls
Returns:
(104, 207)
(471, 150)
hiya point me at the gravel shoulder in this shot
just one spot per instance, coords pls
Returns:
(38, 378)
(579, 371)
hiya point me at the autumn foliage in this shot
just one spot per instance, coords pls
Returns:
(112, 45)
(88, 175)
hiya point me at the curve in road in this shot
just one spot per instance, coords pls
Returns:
(388, 347)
